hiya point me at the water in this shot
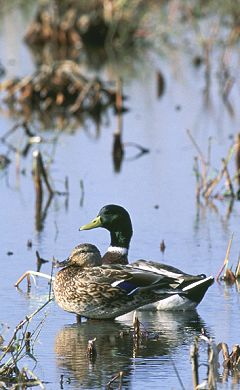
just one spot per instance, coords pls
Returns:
(196, 237)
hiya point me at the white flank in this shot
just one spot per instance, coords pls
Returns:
(176, 302)
(173, 303)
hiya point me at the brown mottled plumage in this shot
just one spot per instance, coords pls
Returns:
(108, 291)
(111, 257)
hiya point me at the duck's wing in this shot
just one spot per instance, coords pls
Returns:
(132, 279)
(183, 278)
(192, 287)
(146, 279)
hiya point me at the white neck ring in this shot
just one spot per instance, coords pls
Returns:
(118, 249)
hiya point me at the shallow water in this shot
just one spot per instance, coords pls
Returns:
(158, 190)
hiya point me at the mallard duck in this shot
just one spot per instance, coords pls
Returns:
(117, 221)
(95, 291)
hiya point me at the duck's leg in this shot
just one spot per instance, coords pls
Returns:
(27, 275)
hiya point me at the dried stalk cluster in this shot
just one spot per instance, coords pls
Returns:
(228, 275)
(230, 363)
(56, 88)
(20, 346)
(207, 182)
(77, 23)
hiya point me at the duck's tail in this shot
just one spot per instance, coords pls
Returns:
(195, 291)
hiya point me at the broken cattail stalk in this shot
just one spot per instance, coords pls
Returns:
(225, 263)
(25, 275)
(227, 89)
(82, 192)
(209, 150)
(119, 104)
(202, 158)
(198, 179)
(237, 158)
(229, 184)
(27, 341)
(162, 246)
(30, 273)
(66, 184)
(212, 365)
(160, 84)
(237, 272)
(120, 376)
(194, 359)
(136, 327)
(44, 173)
(39, 172)
(29, 243)
(118, 150)
(77, 105)
(235, 356)
(37, 175)
(40, 261)
(92, 350)
(225, 351)
(229, 276)
(213, 183)
(232, 360)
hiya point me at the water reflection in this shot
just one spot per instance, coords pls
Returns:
(163, 333)
(222, 210)
(93, 32)
(229, 376)
(113, 344)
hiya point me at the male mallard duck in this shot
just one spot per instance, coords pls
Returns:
(97, 291)
(117, 221)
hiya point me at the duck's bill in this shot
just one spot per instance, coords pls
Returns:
(59, 264)
(95, 223)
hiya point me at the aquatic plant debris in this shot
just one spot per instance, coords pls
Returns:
(207, 182)
(74, 24)
(230, 364)
(92, 350)
(118, 376)
(40, 176)
(18, 347)
(229, 276)
(57, 87)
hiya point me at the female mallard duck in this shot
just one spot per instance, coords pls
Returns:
(96, 291)
(117, 221)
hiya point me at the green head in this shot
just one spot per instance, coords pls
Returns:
(117, 221)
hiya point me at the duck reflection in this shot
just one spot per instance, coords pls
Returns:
(116, 348)
(113, 346)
